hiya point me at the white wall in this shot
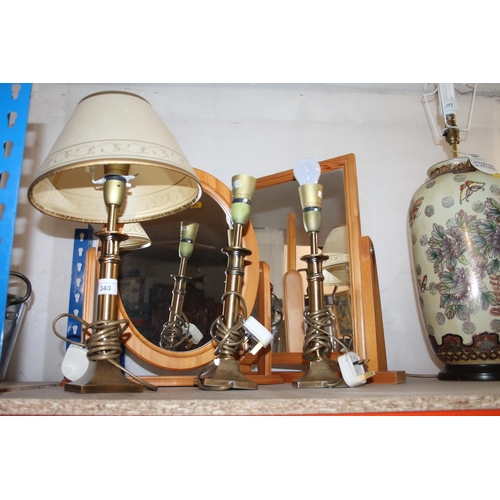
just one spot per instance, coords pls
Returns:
(257, 129)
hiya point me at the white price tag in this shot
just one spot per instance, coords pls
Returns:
(107, 286)
(481, 164)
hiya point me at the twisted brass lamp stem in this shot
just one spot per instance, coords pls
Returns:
(172, 336)
(317, 343)
(227, 330)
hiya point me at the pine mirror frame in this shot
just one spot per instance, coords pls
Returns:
(154, 355)
(368, 334)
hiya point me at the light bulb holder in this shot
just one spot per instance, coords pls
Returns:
(311, 200)
(243, 187)
(189, 230)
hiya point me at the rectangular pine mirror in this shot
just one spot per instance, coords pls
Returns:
(277, 220)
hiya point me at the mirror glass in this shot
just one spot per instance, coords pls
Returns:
(274, 199)
(272, 204)
(146, 283)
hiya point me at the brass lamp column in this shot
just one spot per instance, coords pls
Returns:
(317, 344)
(227, 330)
(104, 343)
(115, 186)
(172, 335)
(111, 139)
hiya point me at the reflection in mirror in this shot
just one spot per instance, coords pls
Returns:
(147, 281)
(283, 240)
(271, 211)
(146, 284)
(278, 216)
(178, 333)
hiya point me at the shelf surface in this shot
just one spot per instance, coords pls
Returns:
(415, 395)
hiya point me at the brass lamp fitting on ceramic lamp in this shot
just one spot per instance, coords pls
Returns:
(176, 330)
(448, 112)
(318, 342)
(111, 139)
(227, 331)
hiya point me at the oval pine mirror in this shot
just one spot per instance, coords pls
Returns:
(146, 281)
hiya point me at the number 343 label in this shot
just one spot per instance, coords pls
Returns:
(107, 286)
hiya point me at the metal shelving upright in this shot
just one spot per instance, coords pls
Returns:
(14, 109)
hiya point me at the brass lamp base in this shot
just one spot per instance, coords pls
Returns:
(106, 378)
(224, 376)
(320, 375)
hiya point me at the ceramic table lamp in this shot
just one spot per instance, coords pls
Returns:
(454, 226)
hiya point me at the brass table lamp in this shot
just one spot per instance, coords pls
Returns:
(318, 343)
(113, 143)
(227, 331)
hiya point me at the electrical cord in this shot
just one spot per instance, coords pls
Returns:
(317, 335)
(229, 339)
(205, 387)
(13, 300)
(320, 341)
(171, 335)
(103, 342)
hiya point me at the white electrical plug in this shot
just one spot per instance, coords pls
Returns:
(192, 333)
(76, 364)
(352, 369)
(259, 332)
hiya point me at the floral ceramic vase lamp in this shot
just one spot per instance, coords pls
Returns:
(454, 226)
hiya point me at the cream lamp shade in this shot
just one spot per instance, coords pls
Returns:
(336, 248)
(137, 237)
(114, 128)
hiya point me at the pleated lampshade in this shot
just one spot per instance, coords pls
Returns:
(120, 128)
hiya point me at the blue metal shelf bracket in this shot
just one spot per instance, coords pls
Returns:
(14, 109)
